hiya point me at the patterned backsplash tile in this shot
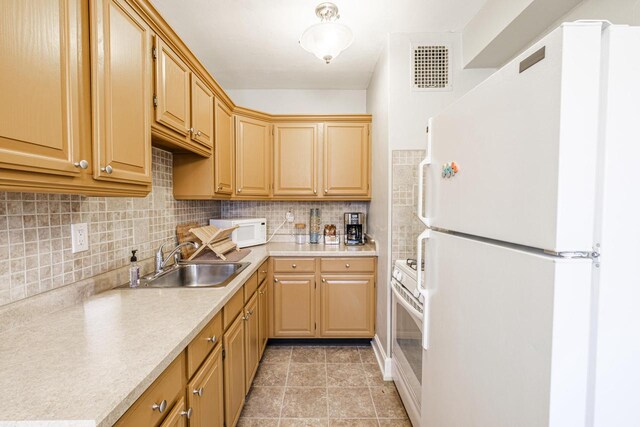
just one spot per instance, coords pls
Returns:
(405, 225)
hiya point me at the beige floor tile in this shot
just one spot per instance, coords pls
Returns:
(305, 402)
(257, 422)
(362, 422)
(308, 355)
(350, 403)
(263, 402)
(276, 354)
(346, 375)
(367, 355)
(271, 374)
(394, 423)
(387, 402)
(303, 422)
(374, 375)
(307, 375)
(343, 355)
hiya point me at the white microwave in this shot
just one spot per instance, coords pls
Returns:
(250, 231)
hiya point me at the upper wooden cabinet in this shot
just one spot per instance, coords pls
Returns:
(346, 159)
(223, 148)
(295, 159)
(121, 88)
(183, 103)
(253, 160)
(42, 80)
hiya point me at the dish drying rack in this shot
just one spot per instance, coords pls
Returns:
(216, 239)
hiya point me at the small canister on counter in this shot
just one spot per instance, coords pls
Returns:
(314, 226)
(300, 233)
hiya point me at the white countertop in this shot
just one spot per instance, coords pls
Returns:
(87, 364)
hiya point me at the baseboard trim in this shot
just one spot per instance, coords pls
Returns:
(384, 362)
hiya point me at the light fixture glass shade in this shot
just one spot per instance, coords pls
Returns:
(326, 40)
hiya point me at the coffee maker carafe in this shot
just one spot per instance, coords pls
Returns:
(354, 228)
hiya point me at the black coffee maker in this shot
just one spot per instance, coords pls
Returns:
(354, 228)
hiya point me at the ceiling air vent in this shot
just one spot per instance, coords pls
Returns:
(431, 67)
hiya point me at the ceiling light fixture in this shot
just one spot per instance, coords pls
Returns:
(328, 38)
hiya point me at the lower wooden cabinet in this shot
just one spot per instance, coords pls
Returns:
(294, 305)
(347, 306)
(251, 340)
(205, 393)
(234, 371)
(263, 314)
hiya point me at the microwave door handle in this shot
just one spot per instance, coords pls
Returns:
(421, 168)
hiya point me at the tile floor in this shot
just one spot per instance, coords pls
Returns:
(321, 386)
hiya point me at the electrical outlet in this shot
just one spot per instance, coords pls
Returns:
(79, 237)
(289, 216)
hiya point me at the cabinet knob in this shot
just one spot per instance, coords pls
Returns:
(108, 169)
(82, 164)
(198, 133)
(187, 413)
(263, 272)
(191, 130)
(276, 280)
(239, 190)
(160, 407)
(324, 280)
(250, 312)
(294, 266)
(326, 191)
(315, 191)
(347, 265)
(198, 391)
(260, 292)
(212, 339)
(219, 187)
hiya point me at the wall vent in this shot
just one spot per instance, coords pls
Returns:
(431, 67)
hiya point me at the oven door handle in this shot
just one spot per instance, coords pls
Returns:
(415, 313)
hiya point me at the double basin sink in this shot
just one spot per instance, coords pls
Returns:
(192, 275)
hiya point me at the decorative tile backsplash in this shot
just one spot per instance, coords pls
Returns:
(330, 213)
(405, 225)
(35, 232)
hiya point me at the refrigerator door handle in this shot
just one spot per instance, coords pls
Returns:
(426, 234)
(423, 163)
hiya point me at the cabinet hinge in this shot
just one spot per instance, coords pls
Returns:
(427, 129)
(155, 101)
(154, 53)
(315, 326)
(224, 353)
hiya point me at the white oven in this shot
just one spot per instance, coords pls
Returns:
(250, 231)
(406, 350)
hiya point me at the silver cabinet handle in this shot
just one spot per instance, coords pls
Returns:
(250, 312)
(198, 391)
(324, 280)
(239, 190)
(108, 169)
(294, 266)
(191, 130)
(263, 272)
(186, 413)
(82, 164)
(347, 265)
(260, 292)
(212, 339)
(276, 280)
(219, 187)
(315, 191)
(326, 191)
(159, 407)
(198, 133)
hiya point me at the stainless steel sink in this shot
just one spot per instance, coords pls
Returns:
(214, 275)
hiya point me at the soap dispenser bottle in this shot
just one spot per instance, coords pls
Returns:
(134, 270)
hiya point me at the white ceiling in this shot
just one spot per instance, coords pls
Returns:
(253, 44)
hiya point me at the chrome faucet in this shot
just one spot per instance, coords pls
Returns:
(161, 260)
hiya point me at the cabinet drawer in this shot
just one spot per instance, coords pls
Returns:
(203, 343)
(232, 308)
(262, 272)
(250, 286)
(167, 388)
(294, 265)
(347, 265)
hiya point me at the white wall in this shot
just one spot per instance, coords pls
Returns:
(409, 109)
(298, 101)
(379, 221)
(616, 11)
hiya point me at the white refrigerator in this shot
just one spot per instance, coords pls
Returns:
(532, 248)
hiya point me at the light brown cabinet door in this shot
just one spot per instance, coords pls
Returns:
(346, 159)
(234, 378)
(178, 416)
(121, 89)
(205, 393)
(172, 90)
(223, 152)
(347, 306)
(263, 315)
(253, 171)
(251, 340)
(201, 113)
(42, 74)
(294, 305)
(295, 159)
